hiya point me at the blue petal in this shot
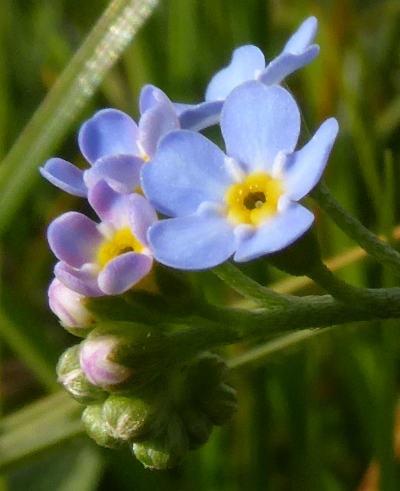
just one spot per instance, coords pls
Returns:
(121, 172)
(257, 122)
(246, 62)
(82, 280)
(150, 97)
(108, 132)
(196, 117)
(287, 63)
(123, 272)
(187, 170)
(110, 206)
(303, 37)
(181, 107)
(65, 176)
(194, 242)
(303, 169)
(141, 216)
(276, 234)
(154, 124)
(73, 238)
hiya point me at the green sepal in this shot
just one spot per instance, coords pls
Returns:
(93, 422)
(134, 417)
(165, 451)
(197, 424)
(73, 379)
(219, 404)
(299, 258)
(139, 306)
(205, 372)
(79, 332)
(174, 284)
(122, 308)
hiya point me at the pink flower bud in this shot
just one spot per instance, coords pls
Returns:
(95, 362)
(67, 306)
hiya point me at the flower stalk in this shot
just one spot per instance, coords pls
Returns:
(374, 246)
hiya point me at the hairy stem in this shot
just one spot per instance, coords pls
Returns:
(249, 288)
(378, 249)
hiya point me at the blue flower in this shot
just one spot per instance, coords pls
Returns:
(115, 146)
(244, 203)
(248, 63)
(107, 258)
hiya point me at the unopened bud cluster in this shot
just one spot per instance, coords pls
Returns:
(135, 396)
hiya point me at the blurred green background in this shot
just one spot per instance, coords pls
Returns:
(311, 417)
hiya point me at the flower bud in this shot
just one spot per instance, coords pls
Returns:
(207, 371)
(95, 362)
(198, 426)
(136, 416)
(74, 380)
(219, 404)
(165, 451)
(94, 425)
(68, 307)
(124, 355)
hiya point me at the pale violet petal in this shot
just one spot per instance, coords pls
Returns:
(73, 238)
(287, 63)
(187, 170)
(65, 176)
(257, 123)
(108, 132)
(276, 234)
(110, 206)
(194, 242)
(121, 172)
(123, 272)
(303, 169)
(81, 280)
(303, 37)
(246, 62)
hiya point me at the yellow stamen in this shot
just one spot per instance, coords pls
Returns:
(255, 200)
(122, 241)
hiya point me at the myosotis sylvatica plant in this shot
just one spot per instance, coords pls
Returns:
(167, 198)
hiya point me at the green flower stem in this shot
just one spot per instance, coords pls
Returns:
(380, 250)
(230, 325)
(76, 85)
(362, 297)
(249, 288)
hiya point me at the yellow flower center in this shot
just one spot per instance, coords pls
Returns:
(122, 241)
(254, 200)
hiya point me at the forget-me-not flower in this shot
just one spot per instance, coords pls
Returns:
(244, 203)
(115, 146)
(248, 63)
(107, 258)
